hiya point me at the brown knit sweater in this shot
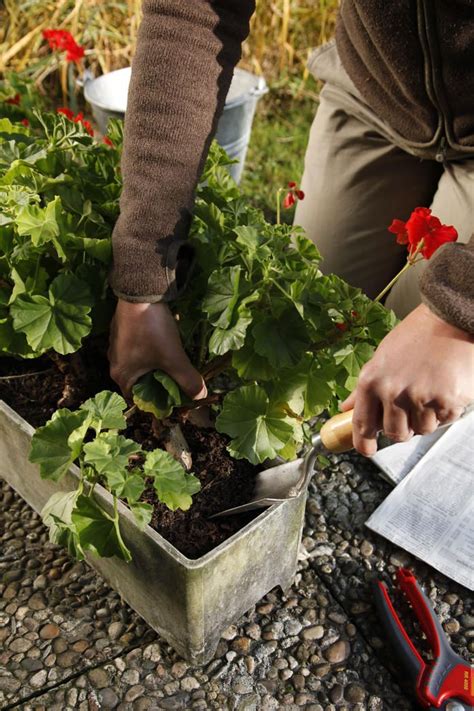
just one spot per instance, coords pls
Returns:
(186, 53)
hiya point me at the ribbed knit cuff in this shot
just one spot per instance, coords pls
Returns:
(447, 285)
(166, 281)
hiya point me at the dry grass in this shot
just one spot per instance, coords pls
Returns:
(283, 33)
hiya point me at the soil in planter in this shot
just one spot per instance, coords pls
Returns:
(225, 482)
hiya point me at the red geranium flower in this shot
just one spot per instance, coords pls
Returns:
(289, 200)
(14, 100)
(292, 195)
(25, 122)
(341, 327)
(423, 232)
(66, 111)
(78, 118)
(107, 141)
(63, 41)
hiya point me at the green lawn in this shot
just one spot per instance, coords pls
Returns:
(278, 144)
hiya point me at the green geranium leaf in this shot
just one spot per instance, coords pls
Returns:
(307, 249)
(12, 342)
(57, 512)
(157, 393)
(106, 411)
(231, 339)
(142, 513)
(39, 223)
(353, 357)
(318, 392)
(54, 446)
(100, 249)
(250, 365)
(132, 487)
(59, 321)
(222, 295)
(259, 429)
(109, 454)
(174, 487)
(248, 237)
(98, 532)
(306, 389)
(283, 341)
(290, 451)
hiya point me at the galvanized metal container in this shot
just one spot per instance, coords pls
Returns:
(188, 602)
(108, 96)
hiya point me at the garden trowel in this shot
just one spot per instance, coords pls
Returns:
(288, 480)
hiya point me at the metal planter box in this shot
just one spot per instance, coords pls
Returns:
(188, 602)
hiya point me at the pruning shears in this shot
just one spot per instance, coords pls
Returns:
(445, 682)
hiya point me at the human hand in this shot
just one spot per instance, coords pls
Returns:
(421, 376)
(145, 337)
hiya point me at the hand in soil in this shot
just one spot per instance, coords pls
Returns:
(145, 337)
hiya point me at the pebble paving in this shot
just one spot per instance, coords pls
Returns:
(68, 642)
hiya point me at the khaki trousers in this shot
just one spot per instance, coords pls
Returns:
(359, 175)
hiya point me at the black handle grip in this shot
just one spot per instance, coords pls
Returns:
(405, 652)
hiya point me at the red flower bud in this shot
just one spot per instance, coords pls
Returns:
(299, 194)
(341, 327)
(14, 100)
(289, 200)
(292, 184)
(107, 141)
(25, 122)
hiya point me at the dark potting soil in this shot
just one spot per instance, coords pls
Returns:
(40, 386)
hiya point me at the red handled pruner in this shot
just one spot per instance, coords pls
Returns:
(447, 681)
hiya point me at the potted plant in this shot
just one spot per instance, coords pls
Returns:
(278, 343)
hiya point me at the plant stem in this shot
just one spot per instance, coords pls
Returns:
(412, 259)
(392, 281)
(278, 211)
(216, 366)
(131, 410)
(35, 278)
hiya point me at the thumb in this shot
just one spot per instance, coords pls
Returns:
(190, 381)
(349, 402)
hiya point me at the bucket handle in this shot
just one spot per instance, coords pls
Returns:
(86, 77)
(260, 89)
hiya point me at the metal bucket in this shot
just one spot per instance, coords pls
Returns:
(108, 95)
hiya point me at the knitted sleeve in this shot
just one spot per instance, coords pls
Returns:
(181, 72)
(447, 284)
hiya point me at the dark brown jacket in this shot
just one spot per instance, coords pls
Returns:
(412, 60)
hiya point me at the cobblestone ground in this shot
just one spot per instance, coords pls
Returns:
(67, 641)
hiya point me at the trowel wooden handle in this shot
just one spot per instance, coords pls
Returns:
(336, 433)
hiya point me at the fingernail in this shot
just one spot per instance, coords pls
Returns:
(202, 393)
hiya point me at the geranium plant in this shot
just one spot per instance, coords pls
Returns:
(75, 519)
(59, 191)
(257, 317)
(258, 309)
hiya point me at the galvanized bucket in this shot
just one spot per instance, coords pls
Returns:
(108, 95)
